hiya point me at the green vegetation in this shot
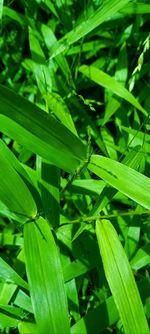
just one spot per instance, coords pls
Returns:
(75, 167)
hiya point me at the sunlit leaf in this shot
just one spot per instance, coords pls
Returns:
(45, 278)
(125, 179)
(120, 279)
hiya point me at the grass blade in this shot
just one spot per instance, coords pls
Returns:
(40, 68)
(106, 313)
(125, 179)
(1, 8)
(50, 195)
(10, 276)
(136, 8)
(27, 327)
(13, 191)
(108, 9)
(39, 132)
(45, 279)
(121, 280)
(106, 81)
(6, 321)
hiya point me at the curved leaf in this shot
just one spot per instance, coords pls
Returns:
(9, 275)
(39, 132)
(125, 179)
(108, 9)
(121, 280)
(13, 191)
(106, 81)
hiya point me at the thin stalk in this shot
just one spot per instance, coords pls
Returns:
(113, 215)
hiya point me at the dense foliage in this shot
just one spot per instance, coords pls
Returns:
(74, 166)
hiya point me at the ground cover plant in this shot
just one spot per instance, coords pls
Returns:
(74, 166)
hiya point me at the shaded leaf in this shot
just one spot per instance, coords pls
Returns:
(105, 11)
(106, 81)
(106, 313)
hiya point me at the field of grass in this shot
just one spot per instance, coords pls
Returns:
(75, 166)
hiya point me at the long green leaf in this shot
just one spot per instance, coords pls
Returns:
(50, 39)
(7, 322)
(40, 68)
(39, 132)
(27, 327)
(13, 191)
(45, 278)
(108, 9)
(141, 258)
(125, 179)
(136, 8)
(50, 176)
(105, 315)
(9, 275)
(23, 301)
(106, 81)
(1, 8)
(121, 280)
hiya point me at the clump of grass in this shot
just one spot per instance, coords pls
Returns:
(74, 167)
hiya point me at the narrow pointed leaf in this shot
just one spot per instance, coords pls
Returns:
(121, 280)
(1, 8)
(39, 132)
(40, 68)
(106, 81)
(105, 11)
(9, 275)
(7, 321)
(27, 327)
(13, 191)
(136, 8)
(50, 175)
(45, 278)
(125, 179)
(106, 313)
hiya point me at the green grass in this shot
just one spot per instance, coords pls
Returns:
(74, 167)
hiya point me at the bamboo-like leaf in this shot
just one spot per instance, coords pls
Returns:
(13, 191)
(121, 280)
(27, 327)
(13, 161)
(106, 81)
(136, 8)
(14, 15)
(9, 275)
(23, 301)
(12, 310)
(50, 175)
(18, 167)
(108, 9)
(45, 278)
(40, 68)
(50, 39)
(59, 108)
(1, 8)
(7, 322)
(106, 314)
(141, 258)
(39, 132)
(125, 179)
